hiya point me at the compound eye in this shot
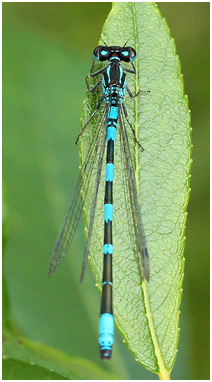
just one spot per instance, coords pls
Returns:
(104, 53)
(101, 53)
(132, 53)
(97, 52)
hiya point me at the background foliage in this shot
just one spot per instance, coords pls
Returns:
(47, 53)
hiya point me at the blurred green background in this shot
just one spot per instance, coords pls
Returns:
(47, 50)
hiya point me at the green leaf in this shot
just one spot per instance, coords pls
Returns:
(26, 359)
(147, 314)
(18, 370)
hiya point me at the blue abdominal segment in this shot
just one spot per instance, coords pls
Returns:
(106, 333)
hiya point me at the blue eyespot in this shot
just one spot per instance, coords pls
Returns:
(125, 53)
(104, 52)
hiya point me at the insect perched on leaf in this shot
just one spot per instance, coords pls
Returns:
(115, 116)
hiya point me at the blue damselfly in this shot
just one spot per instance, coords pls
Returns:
(114, 86)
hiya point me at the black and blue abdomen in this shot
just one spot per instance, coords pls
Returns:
(106, 326)
(114, 87)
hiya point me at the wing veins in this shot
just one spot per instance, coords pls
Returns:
(74, 211)
(141, 244)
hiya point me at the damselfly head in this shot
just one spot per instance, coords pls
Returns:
(104, 53)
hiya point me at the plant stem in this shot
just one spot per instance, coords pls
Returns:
(164, 375)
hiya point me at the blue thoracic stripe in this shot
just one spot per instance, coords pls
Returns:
(111, 133)
(108, 249)
(108, 212)
(121, 74)
(109, 172)
(106, 331)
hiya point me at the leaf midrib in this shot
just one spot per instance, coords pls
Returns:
(163, 372)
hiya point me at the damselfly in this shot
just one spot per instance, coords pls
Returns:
(114, 87)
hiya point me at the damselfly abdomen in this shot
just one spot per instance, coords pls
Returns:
(114, 87)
